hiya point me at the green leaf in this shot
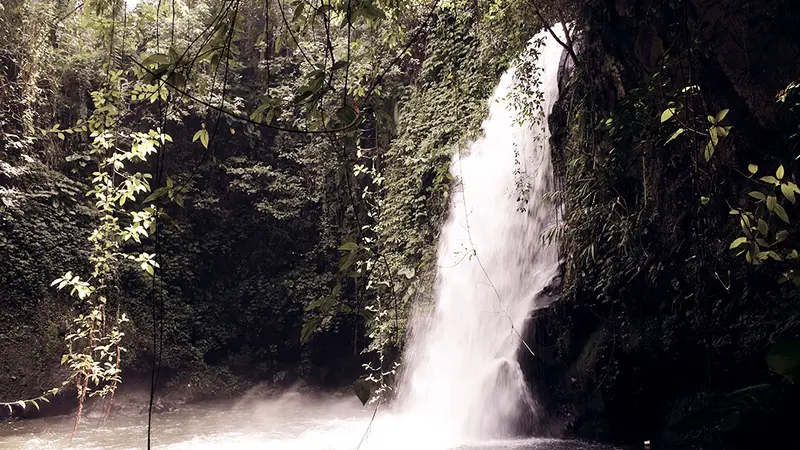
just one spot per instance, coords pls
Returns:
(148, 268)
(721, 115)
(340, 65)
(156, 58)
(347, 262)
(763, 228)
(754, 251)
(677, 133)
(316, 303)
(308, 329)
(780, 172)
(203, 136)
(788, 192)
(297, 11)
(752, 168)
(708, 151)
(781, 235)
(667, 114)
(781, 213)
(64, 358)
(704, 200)
(348, 246)
(258, 114)
(758, 195)
(738, 242)
(770, 179)
(771, 202)
(346, 114)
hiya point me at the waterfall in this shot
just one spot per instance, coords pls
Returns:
(462, 378)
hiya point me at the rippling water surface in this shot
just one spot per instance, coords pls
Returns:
(292, 422)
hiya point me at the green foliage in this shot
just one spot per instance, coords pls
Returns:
(765, 237)
(94, 344)
(715, 132)
(758, 244)
(35, 402)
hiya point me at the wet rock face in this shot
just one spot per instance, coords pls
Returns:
(513, 411)
(754, 43)
(625, 363)
(552, 291)
(757, 45)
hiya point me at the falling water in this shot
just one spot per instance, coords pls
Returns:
(462, 375)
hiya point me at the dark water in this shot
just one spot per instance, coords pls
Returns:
(289, 423)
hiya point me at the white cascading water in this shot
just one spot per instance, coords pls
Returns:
(462, 377)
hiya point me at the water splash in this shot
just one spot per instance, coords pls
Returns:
(462, 378)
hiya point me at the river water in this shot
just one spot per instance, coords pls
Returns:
(292, 422)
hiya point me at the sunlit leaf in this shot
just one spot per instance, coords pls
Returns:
(780, 212)
(770, 179)
(738, 242)
(763, 228)
(788, 192)
(771, 202)
(677, 133)
(203, 136)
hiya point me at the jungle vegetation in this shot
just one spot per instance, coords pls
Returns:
(220, 193)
